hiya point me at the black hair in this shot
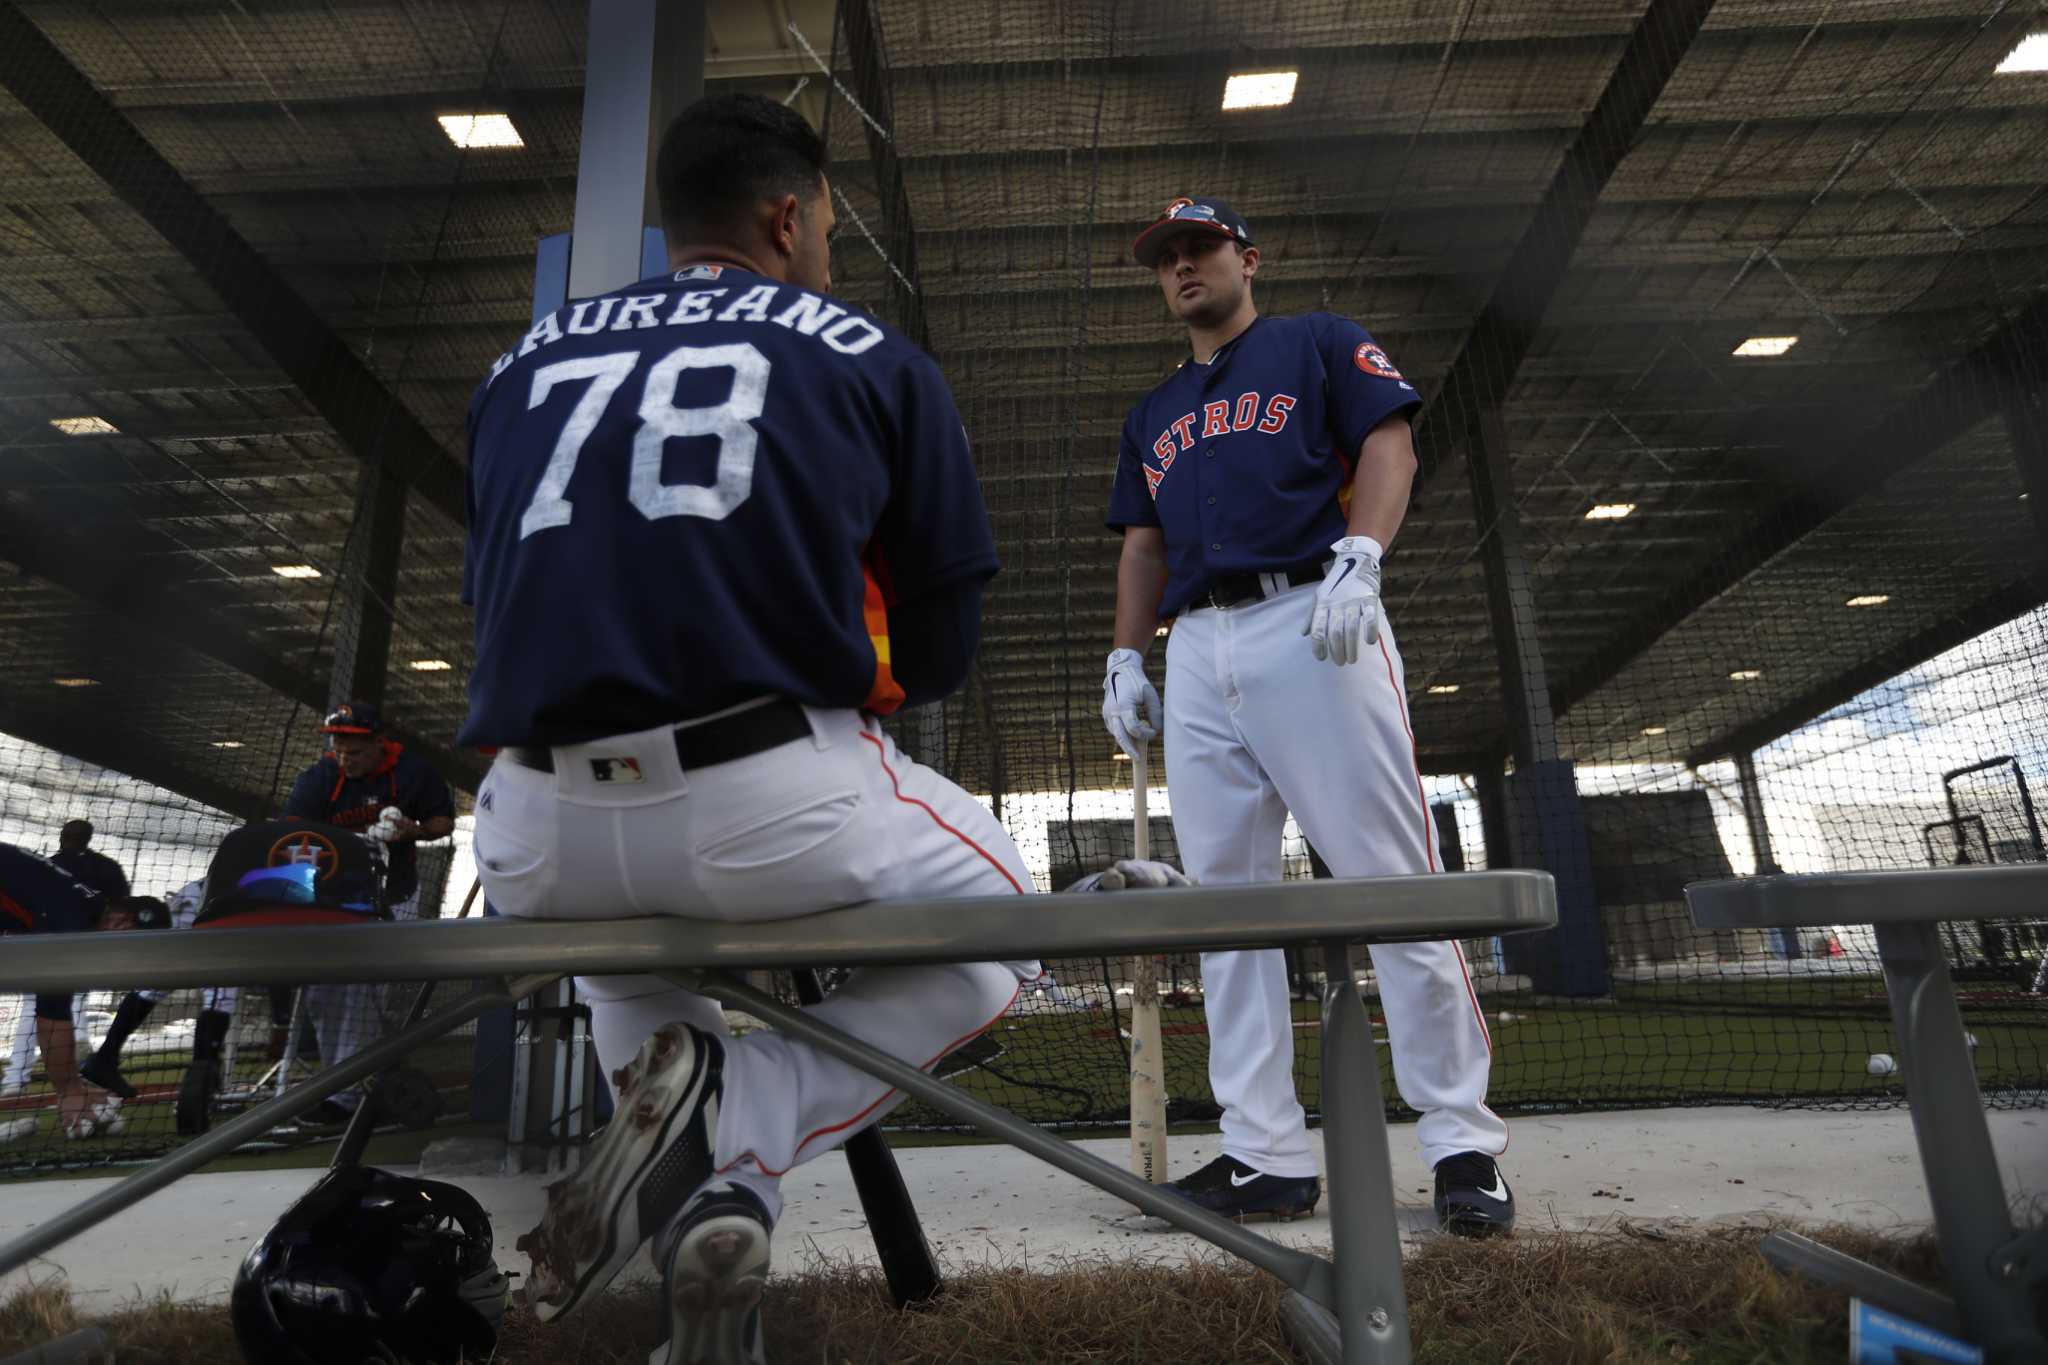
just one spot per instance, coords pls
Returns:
(725, 154)
(81, 827)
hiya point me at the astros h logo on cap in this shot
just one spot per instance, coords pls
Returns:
(1189, 215)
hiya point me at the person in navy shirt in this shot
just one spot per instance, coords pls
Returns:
(1257, 488)
(39, 897)
(76, 855)
(350, 786)
(719, 524)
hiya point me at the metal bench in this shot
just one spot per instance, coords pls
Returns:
(1994, 1271)
(1349, 1306)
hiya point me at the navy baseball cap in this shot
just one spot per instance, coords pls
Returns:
(355, 718)
(1189, 215)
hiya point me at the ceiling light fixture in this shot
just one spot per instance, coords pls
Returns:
(481, 130)
(430, 665)
(295, 571)
(2031, 54)
(1610, 511)
(1745, 675)
(1767, 345)
(76, 682)
(227, 744)
(1119, 757)
(1260, 89)
(1871, 599)
(1652, 731)
(85, 426)
(1160, 633)
(1443, 689)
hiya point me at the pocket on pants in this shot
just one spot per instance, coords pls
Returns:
(515, 874)
(808, 855)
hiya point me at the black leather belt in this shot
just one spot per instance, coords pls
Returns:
(1234, 589)
(707, 743)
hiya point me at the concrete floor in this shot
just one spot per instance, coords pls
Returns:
(992, 1205)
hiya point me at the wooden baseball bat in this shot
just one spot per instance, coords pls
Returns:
(906, 1256)
(1148, 1064)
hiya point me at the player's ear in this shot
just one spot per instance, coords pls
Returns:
(1250, 257)
(783, 224)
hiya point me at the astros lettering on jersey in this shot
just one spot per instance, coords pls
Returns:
(1247, 461)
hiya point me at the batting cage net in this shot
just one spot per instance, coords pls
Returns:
(1725, 553)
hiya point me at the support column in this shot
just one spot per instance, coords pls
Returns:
(645, 64)
(2025, 409)
(369, 585)
(1544, 824)
(1760, 839)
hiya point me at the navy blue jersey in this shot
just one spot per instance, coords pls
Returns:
(700, 489)
(405, 780)
(1246, 462)
(39, 897)
(96, 870)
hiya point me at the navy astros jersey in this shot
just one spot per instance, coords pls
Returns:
(700, 489)
(401, 779)
(95, 869)
(1246, 462)
(38, 897)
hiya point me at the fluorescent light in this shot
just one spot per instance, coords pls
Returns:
(1767, 345)
(1610, 511)
(1652, 731)
(295, 571)
(1260, 90)
(1119, 757)
(1872, 599)
(85, 426)
(2030, 55)
(430, 665)
(481, 130)
(76, 682)
(227, 744)
(1443, 689)
(1160, 633)
(1745, 675)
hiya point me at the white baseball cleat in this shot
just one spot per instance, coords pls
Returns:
(713, 1278)
(15, 1130)
(644, 1166)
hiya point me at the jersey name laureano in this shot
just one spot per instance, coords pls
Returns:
(1221, 418)
(809, 315)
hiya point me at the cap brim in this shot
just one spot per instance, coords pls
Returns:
(346, 730)
(1153, 239)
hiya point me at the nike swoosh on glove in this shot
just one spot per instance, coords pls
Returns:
(1132, 874)
(1130, 704)
(1345, 620)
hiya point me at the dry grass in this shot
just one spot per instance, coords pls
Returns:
(1629, 1296)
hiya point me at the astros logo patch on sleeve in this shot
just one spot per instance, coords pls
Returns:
(1370, 358)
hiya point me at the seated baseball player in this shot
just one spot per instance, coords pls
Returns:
(38, 897)
(719, 524)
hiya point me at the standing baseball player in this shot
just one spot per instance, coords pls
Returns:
(38, 897)
(1257, 489)
(97, 872)
(351, 786)
(718, 523)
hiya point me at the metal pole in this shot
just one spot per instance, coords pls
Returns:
(1755, 818)
(250, 1123)
(1310, 1275)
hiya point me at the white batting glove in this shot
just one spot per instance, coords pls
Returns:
(1132, 874)
(1130, 704)
(1345, 620)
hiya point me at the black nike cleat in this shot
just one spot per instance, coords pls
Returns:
(105, 1072)
(713, 1275)
(640, 1172)
(1472, 1200)
(1243, 1194)
(196, 1091)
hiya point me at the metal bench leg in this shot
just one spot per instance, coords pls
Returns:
(1971, 1216)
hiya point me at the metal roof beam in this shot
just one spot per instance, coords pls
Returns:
(1957, 400)
(1987, 613)
(370, 419)
(106, 744)
(114, 583)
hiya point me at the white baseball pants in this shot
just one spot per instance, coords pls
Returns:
(348, 1018)
(1256, 727)
(834, 820)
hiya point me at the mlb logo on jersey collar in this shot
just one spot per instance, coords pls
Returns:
(616, 770)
